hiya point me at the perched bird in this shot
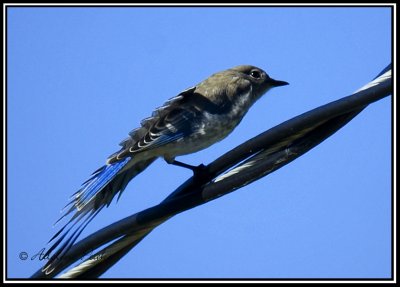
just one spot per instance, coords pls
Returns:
(195, 119)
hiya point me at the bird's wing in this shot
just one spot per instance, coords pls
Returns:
(172, 121)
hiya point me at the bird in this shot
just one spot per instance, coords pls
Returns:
(193, 120)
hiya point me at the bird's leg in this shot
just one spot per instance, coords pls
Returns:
(182, 164)
(196, 169)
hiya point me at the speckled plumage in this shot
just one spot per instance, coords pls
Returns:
(195, 119)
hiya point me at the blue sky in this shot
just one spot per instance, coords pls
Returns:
(79, 79)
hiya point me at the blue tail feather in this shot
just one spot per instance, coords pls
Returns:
(92, 187)
(85, 203)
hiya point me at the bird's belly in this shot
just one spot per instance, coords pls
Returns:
(205, 134)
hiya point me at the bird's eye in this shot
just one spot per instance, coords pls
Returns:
(255, 74)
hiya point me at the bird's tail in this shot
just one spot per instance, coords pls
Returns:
(97, 192)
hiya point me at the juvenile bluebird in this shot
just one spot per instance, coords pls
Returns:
(193, 120)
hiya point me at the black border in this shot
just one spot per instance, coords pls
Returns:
(189, 280)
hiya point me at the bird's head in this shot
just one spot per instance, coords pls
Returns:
(256, 79)
(237, 88)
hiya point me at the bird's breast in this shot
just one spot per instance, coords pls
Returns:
(209, 130)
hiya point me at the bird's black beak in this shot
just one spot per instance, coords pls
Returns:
(276, 83)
